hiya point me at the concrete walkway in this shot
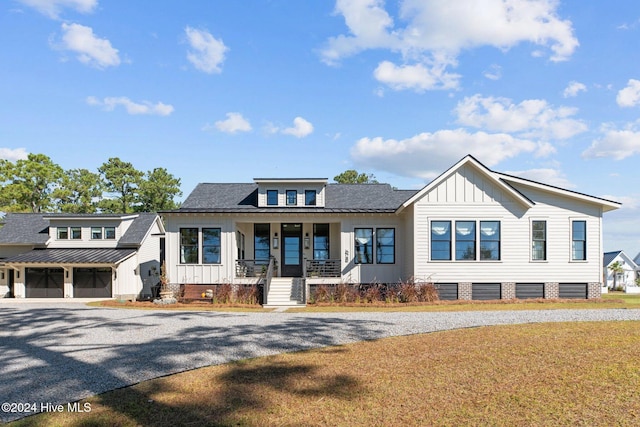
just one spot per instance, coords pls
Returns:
(61, 352)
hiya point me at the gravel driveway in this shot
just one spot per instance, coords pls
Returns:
(62, 352)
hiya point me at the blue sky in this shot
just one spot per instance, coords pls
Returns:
(225, 91)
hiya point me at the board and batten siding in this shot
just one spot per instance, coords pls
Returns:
(200, 273)
(468, 194)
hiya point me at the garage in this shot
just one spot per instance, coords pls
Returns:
(529, 290)
(573, 290)
(44, 283)
(447, 291)
(92, 282)
(485, 291)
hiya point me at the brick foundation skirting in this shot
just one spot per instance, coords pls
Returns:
(465, 291)
(508, 290)
(552, 290)
(594, 290)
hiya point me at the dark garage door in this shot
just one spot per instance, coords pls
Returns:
(44, 283)
(529, 290)
(573, 290)
(447, 291)
(485, 291)
(92, 283)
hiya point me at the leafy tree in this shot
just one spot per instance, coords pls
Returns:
(122, 180)
(29, 184)
(352, 176)
(79, 192)
(157, 191)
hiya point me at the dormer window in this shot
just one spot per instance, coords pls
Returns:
(76, 233)
(110, 233)
(63, 233)
(292, 197)
(272, 197)
(310, 197)
(96, 233)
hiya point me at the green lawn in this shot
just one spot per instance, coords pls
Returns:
(560, 374)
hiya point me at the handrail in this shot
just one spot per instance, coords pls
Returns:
(322, 268)
(267, 280)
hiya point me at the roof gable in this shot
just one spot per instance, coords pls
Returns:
(469, 162)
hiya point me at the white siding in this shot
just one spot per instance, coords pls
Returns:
(469, 195)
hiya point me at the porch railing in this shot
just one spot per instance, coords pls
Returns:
(322, 268)
(250, 268)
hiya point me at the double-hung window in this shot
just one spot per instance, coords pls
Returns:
(272, 197)
(441, 240)
(385, 246)
(63, 233)
(489, 240)
(539, 240)
(188, 245)
(310, 197)
(579, 240)
(292, 197)
(211, 246)
(363, 245)
(320, 241)
(465, 240)
(96, 233)
(110, 233)
(76, 233)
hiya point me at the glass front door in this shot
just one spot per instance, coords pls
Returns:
(291, 250)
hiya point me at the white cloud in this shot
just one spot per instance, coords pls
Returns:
(545, 176)
(573, 89)
(531, 118)
(300, 129)
(53, 8)
(630, 95)
(13, 154)
(91, 50)
(418, 77)
(207, 53)
(493, 73)
(234, 123)
(133, 108)
(617, 144)
(437, 31)
(424, 155)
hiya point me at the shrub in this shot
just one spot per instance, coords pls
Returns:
(247, 294)
(427, 292)
(408, 292)
(322, 294)
(222, 293)
(345, 293)
(372, 293)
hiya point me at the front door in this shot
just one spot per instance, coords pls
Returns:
(291, 250)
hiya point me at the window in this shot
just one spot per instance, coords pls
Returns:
(240, 244)
(310, 197)
(63, 233)
(363, 245)
(96, 233)
(188, 245)
(385, 246)
(489, 240)
(261, 246)
(320, 241)
(579, 240)
(539, 240)
(465, 240)
(441, 240)
(272, 197)
(292, 197)
(211, 246)
(76, 233)
(110, 233)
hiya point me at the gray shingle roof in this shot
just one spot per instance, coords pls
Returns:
(33, 228)
(24, 228)
(339, 198)
(608, 257)
(72, 256)
(137, 231)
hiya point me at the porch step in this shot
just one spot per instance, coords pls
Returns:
(284, 292)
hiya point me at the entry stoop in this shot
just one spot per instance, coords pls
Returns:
(285, 292)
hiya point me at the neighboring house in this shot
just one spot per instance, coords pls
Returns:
(475, 233)
(625, 278)
(80, 256)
